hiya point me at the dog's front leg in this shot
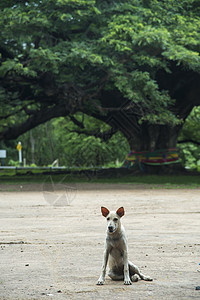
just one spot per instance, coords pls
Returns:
(103, 270)
(127, 280)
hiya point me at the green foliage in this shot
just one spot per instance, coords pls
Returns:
(13, 163)
(182, 55)
(191, 128)
(11, 152)
(65, 55)
(58, 139)
(82, 150)
(190, 156)
(38, 146)
(15, 67)
(190, 150)
(82, 41)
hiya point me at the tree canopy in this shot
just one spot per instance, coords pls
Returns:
(132, 64)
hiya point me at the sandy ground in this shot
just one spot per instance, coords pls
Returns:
(51, 242)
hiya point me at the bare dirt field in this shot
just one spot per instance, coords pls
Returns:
(51, 243)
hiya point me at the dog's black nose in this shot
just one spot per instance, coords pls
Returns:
(110, 228)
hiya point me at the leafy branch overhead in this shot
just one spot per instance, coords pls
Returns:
(103, 134)
(108, 59)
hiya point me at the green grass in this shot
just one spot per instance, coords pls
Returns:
(154, 181)
(9, 177)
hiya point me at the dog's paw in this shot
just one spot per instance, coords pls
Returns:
(100, 282)
(148, 278)
(127, 282)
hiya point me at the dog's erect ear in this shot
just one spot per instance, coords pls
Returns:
(120, 212)
(104, 211)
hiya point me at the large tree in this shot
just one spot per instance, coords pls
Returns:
(132, 64)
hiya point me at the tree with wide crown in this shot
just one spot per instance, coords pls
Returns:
(132, 64)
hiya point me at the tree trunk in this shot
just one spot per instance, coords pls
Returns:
(153, 149)
(152, 140)
(153, 137)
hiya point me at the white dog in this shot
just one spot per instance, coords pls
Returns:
(116, 249)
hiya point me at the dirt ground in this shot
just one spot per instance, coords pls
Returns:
(51, 242)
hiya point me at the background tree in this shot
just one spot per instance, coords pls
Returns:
(134, 65)
(62, 139)
(85, 143)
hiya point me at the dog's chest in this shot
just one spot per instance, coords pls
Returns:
(116, 246)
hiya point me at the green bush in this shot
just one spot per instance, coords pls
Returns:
(13, 163)
(189, 155)
(190, 149)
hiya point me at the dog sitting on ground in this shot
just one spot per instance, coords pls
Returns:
(116, 251)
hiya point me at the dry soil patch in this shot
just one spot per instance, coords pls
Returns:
(55, 252)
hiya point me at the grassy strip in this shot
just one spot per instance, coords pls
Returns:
(154, 181)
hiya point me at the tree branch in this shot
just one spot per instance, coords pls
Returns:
(76, 122)
(24, 107)
(104, 136)
(38, 117)
(189, 141)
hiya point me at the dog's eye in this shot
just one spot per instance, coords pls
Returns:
(115, 219)
(108, 219)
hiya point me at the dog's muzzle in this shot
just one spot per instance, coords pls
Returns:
(110, 229)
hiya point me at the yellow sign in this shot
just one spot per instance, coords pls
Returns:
(19, 147)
